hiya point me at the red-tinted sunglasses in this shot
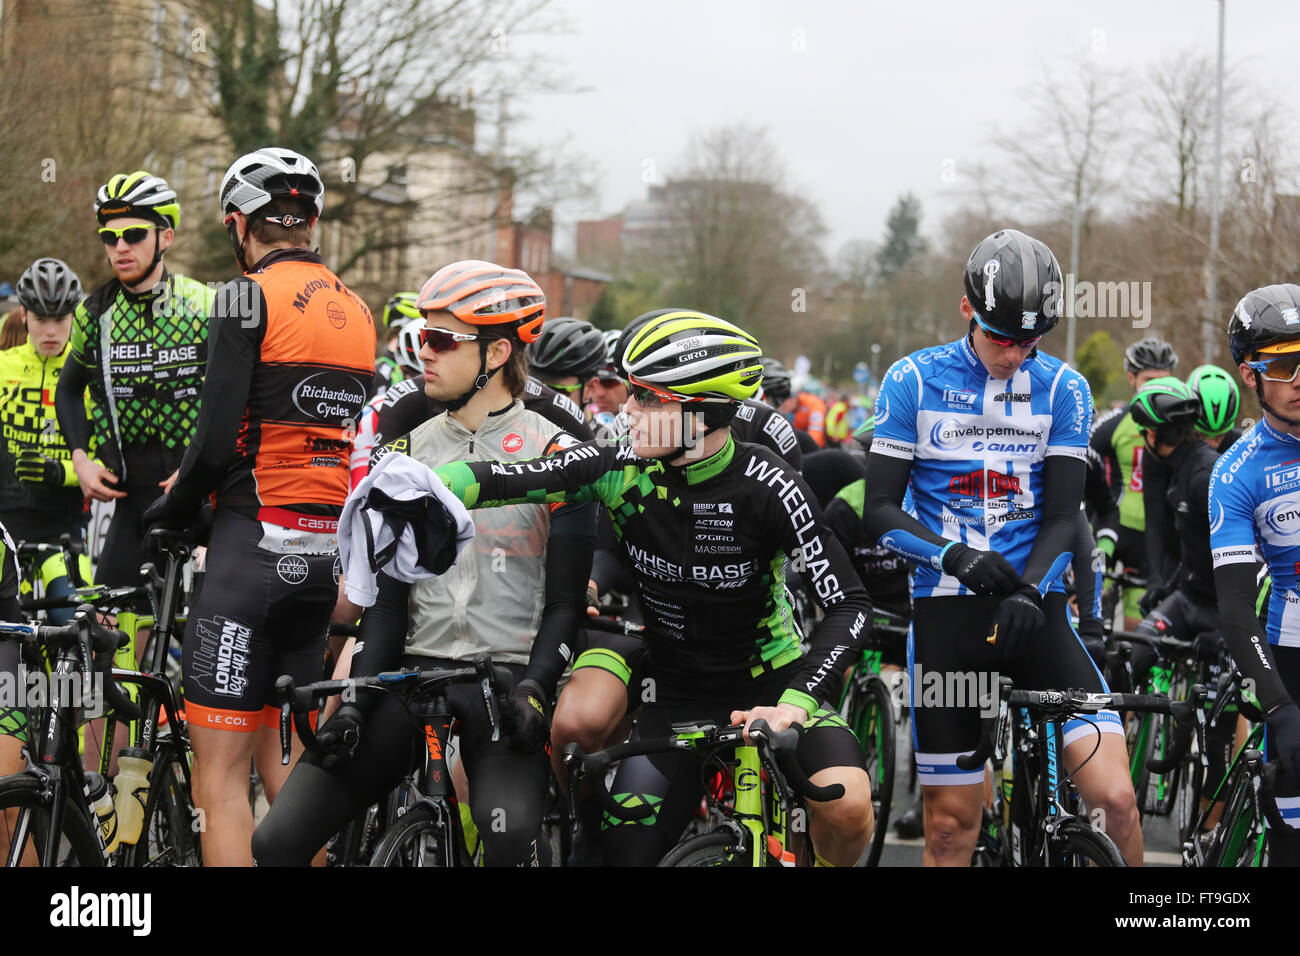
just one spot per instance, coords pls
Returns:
(1003, 341)
(444, 340)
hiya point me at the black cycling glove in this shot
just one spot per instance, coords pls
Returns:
(527, 720)
(1016, 620)
(1152, 597)
(35, 469)
(984, 572)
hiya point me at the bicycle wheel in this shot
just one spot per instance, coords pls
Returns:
(414, 839)
(871, 717)
(716, 848)
(1078, 844)
(21, 808)
(169, 835)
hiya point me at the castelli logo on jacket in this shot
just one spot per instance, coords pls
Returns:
(512, 443)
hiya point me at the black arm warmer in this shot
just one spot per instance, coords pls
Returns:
(1236, 588)
(568, 565)
(883, 511)
(70, 405)
(234, 341)
(1062, 492)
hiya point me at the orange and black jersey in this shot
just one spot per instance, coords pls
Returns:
(290, 359)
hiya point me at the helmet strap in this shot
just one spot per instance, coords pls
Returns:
(232, 230)
(1259, 393)
(157, 251)
(484, 376)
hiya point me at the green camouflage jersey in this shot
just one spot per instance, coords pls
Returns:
(147, 393)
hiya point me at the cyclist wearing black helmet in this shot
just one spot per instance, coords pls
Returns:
(39, 497)
(991, 436)
(1115, 438)
(1254, 504)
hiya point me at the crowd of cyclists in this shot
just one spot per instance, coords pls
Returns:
(499, 476)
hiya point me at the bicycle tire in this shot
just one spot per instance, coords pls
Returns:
(871, 717)
(408, 836)
(715, 848)
(169, 835)
(1077, 842)
(79, 845)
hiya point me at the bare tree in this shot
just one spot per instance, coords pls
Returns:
(1063, 162)
(740, 242)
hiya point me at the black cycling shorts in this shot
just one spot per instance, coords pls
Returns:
(264, 611)
(952, 668)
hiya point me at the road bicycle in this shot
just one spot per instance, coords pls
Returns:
(1037, 818)
(762, 825)
(420, 820)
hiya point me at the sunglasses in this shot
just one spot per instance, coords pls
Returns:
(565, 389)
(649, 397)
(1003, 341)
(1280, 369)
(132, 234)
(444, 340)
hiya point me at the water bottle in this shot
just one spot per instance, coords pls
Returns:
(134, 765)
(101, 801)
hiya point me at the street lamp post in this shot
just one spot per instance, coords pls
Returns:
(875, 361)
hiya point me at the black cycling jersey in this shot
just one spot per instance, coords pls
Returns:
(883, 572)
(1187, 501)
(708, 543)
(760, 424)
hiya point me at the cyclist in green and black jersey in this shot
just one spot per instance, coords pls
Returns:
(39, 497)
(139, 343)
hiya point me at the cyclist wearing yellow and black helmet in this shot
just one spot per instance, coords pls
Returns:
(139, 344)
(707, 524)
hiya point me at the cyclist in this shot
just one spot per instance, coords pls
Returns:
(611, 676)
(567, 355)
(607, 392)
(1253, 502)
(1115, 438)
(990, 434)
(804, 410)
(516, 594)
(140, 344)
(708, 524)
(1220, 405)
(39, 497)
(401, 358)
(291, 362)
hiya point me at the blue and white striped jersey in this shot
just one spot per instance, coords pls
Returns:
(1255, 501)
(977, 446)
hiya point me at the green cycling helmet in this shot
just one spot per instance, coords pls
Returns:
(139, 194)
(1220, 399)
(1164, 401)
(400, 308)
(692, 356)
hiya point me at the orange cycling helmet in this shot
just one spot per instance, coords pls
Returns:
(484, 293)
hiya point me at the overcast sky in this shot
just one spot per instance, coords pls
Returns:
(879, 96)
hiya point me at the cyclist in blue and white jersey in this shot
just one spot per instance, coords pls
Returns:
(1255, 501)
(992, 437)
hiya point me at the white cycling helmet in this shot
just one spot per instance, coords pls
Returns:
(256, 178)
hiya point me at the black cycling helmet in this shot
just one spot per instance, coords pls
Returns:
(776, 380)
(1013, 282)
(49, 287)
(567, 346)
(1262, 318)
(1150, 353)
